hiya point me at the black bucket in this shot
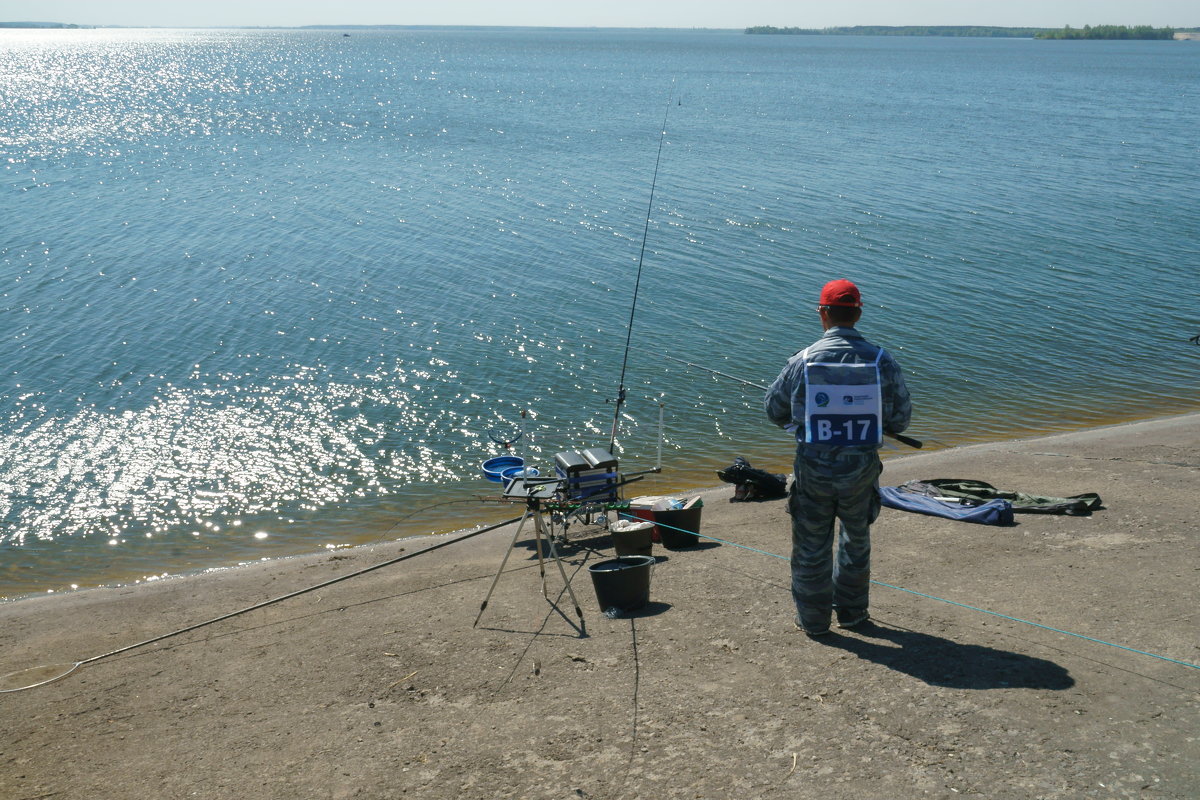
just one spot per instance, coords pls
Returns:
(679, 528)
(633, 540)
(623, 582)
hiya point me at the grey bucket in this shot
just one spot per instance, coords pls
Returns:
(623, 582)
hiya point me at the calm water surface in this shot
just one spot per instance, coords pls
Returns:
(265, 292)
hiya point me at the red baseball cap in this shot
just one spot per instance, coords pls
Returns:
(841, 293)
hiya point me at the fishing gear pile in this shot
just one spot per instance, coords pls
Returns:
(752, 484)
(993, 512)
(968, 500)
(975, 492)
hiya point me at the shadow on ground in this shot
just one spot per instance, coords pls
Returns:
(942, 662)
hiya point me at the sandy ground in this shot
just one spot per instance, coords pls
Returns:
(379, 686)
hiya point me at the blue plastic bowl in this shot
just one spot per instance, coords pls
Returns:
(519, 472)
(493, 468)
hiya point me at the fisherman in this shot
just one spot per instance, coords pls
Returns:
(838, 396)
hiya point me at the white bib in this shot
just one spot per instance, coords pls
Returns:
(843, 404)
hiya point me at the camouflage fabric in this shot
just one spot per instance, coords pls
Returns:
(784, 402)
(834, 483)
(828, 487)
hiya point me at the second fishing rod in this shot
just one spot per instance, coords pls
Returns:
(621, 391)
(620, 401)
(899, 437)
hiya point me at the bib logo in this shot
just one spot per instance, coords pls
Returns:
(848, 399)
(822, 399)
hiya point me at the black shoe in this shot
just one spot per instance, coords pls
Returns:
(806, 631)
(853, 619)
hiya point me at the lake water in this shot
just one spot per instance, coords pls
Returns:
(266, 292)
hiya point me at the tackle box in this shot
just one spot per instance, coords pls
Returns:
(589, 475)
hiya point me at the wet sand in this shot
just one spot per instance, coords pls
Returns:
(379, 686)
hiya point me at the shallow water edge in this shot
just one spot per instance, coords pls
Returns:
(487, 509)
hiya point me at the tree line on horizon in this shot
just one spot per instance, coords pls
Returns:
(1109, 32)
(987, 31)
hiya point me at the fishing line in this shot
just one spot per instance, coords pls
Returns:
(939, 599)
(59, 671)
(637, 682)
(412, 514)
(713, 371)
(899, 437)
(612, 437)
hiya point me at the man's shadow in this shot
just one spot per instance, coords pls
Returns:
(941, 662)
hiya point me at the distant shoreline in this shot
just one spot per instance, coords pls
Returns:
(976, 31)
(1124, 32)
(1141, 32)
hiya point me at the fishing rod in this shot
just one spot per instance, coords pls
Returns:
(49, 673)
(899, 437)
(620, 401)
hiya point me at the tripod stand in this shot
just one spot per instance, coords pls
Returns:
(533, 491)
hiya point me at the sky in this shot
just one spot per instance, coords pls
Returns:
(606, 13)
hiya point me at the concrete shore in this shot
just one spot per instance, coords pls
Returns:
(379, 686)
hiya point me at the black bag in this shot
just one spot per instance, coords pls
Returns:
(752, 484)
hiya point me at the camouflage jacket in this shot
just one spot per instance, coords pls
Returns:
(784, 402)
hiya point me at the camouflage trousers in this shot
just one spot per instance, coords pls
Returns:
(842, 487)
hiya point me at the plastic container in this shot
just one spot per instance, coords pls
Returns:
(519, 472)
(622, 583)
(643, 508)
(494, 468)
